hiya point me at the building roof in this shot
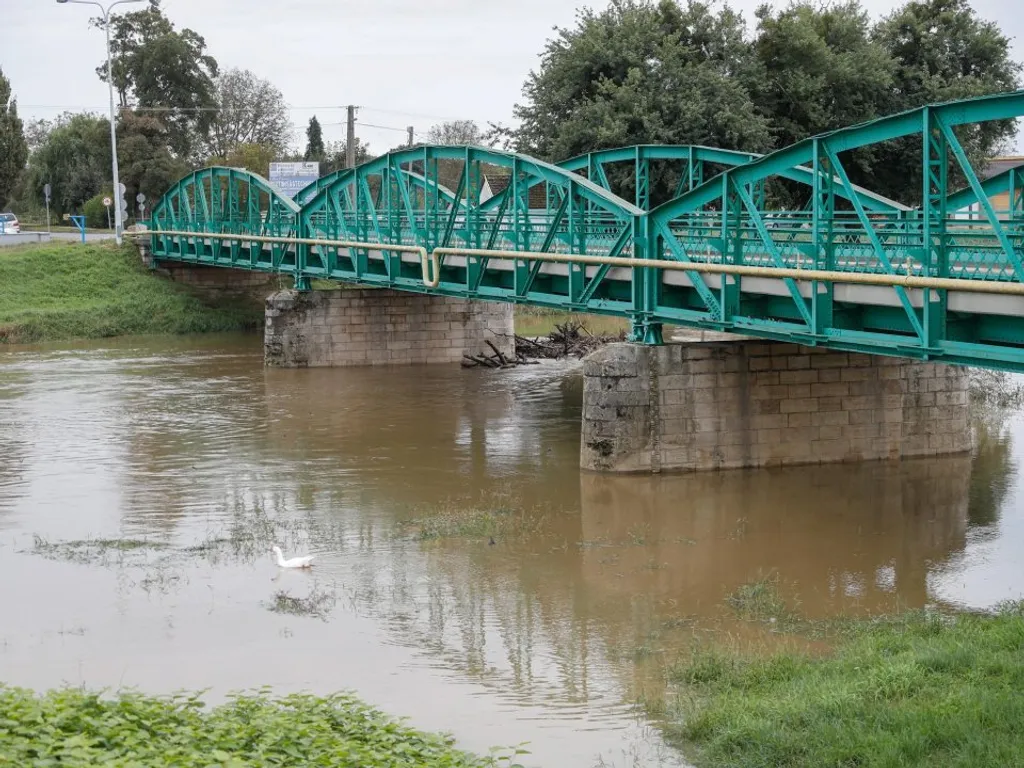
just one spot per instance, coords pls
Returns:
(998, 165)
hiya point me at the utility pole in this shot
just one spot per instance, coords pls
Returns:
(350, 141)
(120, 205)
(411, 135)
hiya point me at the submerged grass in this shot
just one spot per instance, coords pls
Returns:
(318, 603)
(760, 600)
(455, 522)
(920, 689)
(60, 291)
(75, 727)
(91, 550)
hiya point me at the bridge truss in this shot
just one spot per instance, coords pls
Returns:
(683, 236)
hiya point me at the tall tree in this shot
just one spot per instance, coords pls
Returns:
(75, 160)
(643, 71)
(145, 163)
(158, 68)
(943, 51)
(458, 132)
(250, 110)
(13, 147)
(314, 141)
(821, 71)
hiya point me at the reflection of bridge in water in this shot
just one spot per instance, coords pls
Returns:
(550, 619)
(621, 554)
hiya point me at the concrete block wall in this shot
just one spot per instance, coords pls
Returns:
(731, 404)
(381, 327)
(225, 282)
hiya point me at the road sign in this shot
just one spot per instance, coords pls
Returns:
(292, 177)
(140, 198)
(107, 201)
(46, 192)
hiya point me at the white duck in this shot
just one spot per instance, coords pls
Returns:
(295, 562)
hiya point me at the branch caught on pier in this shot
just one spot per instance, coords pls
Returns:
(569, 339)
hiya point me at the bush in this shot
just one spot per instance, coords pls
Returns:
(96, 212)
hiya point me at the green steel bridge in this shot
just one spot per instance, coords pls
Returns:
(691, 239)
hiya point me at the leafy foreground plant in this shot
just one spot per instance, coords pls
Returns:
(923, 689)
(73, 727)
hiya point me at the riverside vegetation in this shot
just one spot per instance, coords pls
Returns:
(62, 291)
(921, 688)
(75, 727)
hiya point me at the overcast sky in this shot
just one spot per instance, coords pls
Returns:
(403, 62)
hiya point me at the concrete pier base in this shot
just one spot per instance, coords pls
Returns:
(380, 327)
(704, 405)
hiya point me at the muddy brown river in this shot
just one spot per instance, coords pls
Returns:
(555, 635)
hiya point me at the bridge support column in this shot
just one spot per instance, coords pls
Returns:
(380, 327)
(706, 405)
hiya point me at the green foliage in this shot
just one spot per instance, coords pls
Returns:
(314, 141)
(641, 72)
(821, 70)
(95, 212)
(942, 51)
(75, 727)
(156, 65)
(668, 72)
(918, 690)
(253, 157)
(71, 290)
(145, 163)
(74, 159)
(13, 147)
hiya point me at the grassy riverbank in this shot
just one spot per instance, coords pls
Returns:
(917, 690)
(59, 291)
(77, 727)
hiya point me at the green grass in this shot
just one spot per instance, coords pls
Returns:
(60, 291)
(74, 727)
(922, 689)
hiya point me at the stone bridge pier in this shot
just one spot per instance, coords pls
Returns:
(376, 326)
(731, 402)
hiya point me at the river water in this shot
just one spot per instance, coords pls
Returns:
(550, 636)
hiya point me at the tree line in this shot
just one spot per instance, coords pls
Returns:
(687, 73)
(639, 71)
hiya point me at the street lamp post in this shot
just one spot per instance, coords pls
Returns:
(118, 198)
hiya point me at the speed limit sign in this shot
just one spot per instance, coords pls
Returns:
(107, 201)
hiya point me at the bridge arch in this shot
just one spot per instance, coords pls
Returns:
(921, 241)
(462, 197)
(219, 200)
(693, 163)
